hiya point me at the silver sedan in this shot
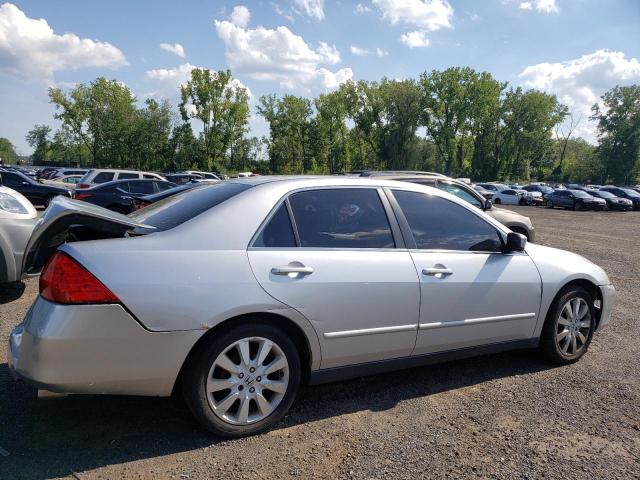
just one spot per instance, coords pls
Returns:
(17, 219)
(235, 294)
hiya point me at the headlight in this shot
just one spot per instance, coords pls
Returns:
(10, 204)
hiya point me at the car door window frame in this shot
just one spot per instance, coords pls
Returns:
(396, 233)
(410, 241)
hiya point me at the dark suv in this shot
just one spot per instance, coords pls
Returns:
(627, 193)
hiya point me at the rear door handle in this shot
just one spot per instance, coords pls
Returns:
(286, 270)
(437, 271)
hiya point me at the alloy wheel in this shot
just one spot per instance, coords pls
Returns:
(247, 381)
(574, 323)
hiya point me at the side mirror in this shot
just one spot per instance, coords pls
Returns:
(515, 242)
(487, 205)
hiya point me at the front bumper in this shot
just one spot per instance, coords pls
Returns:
(95, 349)
(608, 301)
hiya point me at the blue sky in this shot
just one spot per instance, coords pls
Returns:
(576, 49)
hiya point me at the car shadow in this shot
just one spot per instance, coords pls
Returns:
(11, 291)
(57, 437)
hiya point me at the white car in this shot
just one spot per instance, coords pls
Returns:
(510, 196)
(17, 219)
(104, 175)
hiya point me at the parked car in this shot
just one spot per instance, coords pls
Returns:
(516, 222)
(493, 187)
(484, 192)
(119, 195)
(534, 187)
(510, 196)
(17, 219)
(374, 274)
(65, 172)
(204, 175)
(68, 181)
(146, 200)
(613, 202)
(182, 178)
(37, 193)
(105, 175)
(627, 193)
(575, 200)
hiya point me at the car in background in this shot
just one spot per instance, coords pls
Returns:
(119, 195)
(613, 202)
(181, 178)
(104, 175)
(483, 191)
(65, 172)
(235, 295)
(574, 200)
(68, 181)
(146, 200)
(37, 193)
(204, 175)
(516, 222)
(17, 220)
(509, 196)
(535, 187)
(627, 193)
(494, 187)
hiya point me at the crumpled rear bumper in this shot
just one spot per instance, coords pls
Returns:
(95, 349)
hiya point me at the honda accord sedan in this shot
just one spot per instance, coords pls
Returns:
(233, 295)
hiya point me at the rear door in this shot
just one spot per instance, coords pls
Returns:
(332, 254)
(471, 293)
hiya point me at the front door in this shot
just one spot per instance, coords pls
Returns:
(471, 293)
(341, 269)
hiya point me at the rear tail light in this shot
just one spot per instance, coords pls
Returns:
(82, 196)
(83, 185)
(64, 280)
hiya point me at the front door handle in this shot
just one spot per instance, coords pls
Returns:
(286, 270)
(437, 271)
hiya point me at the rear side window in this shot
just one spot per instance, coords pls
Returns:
(103, 177)
(149, 176)
(177, 209)
(438, 224)
(341, 218)
(278, 232)
(144, 188)
(126, 176)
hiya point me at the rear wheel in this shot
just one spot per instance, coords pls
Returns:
(569, 326)
(243, 381)
(549, 204)
(497, 201)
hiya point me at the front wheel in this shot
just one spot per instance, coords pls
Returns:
(549, 204)
(569, 326)
(497, 201)
(243, 381)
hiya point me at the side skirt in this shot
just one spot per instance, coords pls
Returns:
(328, 375)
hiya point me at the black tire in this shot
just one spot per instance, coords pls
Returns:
(497, 201)
(47, 201)
(549, 346)
(579, 206)
(195, 379)
(549, 204)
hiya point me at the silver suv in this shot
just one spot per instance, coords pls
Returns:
(516, 222)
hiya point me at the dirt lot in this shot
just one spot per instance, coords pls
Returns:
(504, 416)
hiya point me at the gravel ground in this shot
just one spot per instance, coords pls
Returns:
(503, 416)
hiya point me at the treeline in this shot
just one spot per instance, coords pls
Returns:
(458, 121)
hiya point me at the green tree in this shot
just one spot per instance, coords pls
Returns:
(619, 133)
(38, 139)
(8, 155)
(221, 105)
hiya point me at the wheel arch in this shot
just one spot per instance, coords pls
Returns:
(290, 327)
(590, 287)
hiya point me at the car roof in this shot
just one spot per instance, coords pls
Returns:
(124, 180)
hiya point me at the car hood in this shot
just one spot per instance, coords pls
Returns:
(562, 266)
(508, 217)
(67, 220)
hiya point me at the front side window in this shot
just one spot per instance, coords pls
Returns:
(460, 193)
(278, 232)
(10, 179)
(438, 224)
(127, 176)
(145, 188)
(341, 218)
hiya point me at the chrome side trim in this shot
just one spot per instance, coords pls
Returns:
(473, 321)
(370, 331)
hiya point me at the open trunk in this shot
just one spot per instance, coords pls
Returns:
(67, 220)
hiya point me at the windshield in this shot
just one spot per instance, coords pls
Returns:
(603, 194)
(177, 209)
(631, 193)
(580, 193)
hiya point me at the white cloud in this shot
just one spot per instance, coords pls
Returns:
(424, 16)
(174, 48)
(545, 6)
(381, 53)
(311, 8)
(29, 48)
(288, 15)
(415, 39)
(580, 82)
(279, 54)
(360, 8)
(359, 51)
(240, 16)
(170, 79)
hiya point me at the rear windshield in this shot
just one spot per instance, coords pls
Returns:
(177, 209)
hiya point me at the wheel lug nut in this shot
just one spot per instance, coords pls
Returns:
(252, 389)
(252, 369)
(258, 379)
(240, 375)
